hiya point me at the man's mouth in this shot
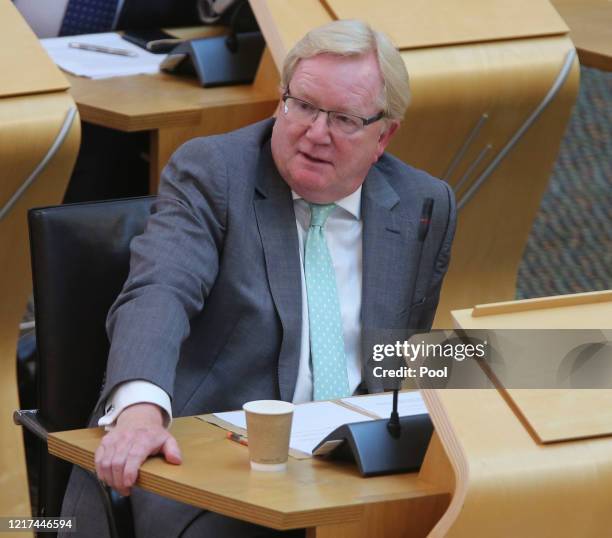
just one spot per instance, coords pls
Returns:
(313, 159)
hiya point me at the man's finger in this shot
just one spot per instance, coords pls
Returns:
(139, 452)
(122, 449)
(98, 460)
(105, 472)
(171, 451)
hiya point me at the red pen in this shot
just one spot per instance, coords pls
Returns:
(237, 438)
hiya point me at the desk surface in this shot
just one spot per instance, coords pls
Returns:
(215, 475)
(590, 23)
(146, 102)
(553, 414)
(590, 310)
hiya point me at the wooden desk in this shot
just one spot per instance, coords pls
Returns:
(528, 462)
(174, 109)
(590, 23)
(585, 412)
(332, 500)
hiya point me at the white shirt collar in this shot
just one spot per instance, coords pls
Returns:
(350, 203)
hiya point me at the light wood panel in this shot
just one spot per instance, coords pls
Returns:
(26, 68)
(508, 485)
(394, 519)
(430, 23)
(29, 125)
(552, 414)
(590, 23)
(284, 23)
(453, 87)
(437, 469)
(33, 108)
(332, 499)
(146, 102)
(590, 310)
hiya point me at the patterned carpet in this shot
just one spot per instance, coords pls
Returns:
(570, 245)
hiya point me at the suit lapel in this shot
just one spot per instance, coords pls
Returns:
(386, 238)
(277, 229)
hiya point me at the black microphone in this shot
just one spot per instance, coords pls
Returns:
(393, 425)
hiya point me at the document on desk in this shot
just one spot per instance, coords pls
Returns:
(90, 64)
(408, 404)
(311, 422)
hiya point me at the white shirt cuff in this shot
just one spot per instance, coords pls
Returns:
(133, 392)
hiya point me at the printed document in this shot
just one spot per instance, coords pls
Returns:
(311, 422)
(84, 63)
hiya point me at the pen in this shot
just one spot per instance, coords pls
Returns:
(237, 438)
(99, 48)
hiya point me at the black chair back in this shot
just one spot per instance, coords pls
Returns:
(80, 260)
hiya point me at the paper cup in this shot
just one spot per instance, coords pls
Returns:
(268, 430)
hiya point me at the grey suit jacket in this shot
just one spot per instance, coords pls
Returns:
(211, 311)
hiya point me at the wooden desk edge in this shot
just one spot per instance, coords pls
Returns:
(148, 122)
(595, 59)
(541, 303)
(275, 519)
(127, 123)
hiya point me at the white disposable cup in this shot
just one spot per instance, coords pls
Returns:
(268, 430)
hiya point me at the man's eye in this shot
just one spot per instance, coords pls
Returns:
(304, 107)
(347, 120)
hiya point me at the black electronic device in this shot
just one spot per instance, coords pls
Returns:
(153, 40)
(375, 450)
(218, 61)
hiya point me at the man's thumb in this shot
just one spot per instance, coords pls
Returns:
(171, 451)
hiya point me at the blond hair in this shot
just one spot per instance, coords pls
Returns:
(356, 38)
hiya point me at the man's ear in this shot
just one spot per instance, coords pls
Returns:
(386, 136)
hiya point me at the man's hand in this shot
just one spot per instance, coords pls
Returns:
(139, 433)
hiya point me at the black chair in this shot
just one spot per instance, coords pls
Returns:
(80, 260)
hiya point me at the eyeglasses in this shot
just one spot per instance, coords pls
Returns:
(306, 113)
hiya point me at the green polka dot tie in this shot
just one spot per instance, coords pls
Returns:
(326, 341)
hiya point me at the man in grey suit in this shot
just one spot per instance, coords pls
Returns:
(271, 251)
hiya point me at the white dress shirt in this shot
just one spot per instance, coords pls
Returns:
(343, 234)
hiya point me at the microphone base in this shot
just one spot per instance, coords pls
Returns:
(375, 450)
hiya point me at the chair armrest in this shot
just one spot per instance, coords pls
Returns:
(118, 509)
(29, 419)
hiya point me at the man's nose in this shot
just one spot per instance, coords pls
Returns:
(319, 129)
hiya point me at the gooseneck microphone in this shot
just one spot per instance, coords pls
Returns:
(393, 425)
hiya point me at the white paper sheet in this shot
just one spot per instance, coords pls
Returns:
(98, 64)
(408, 403)
(311, 422)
